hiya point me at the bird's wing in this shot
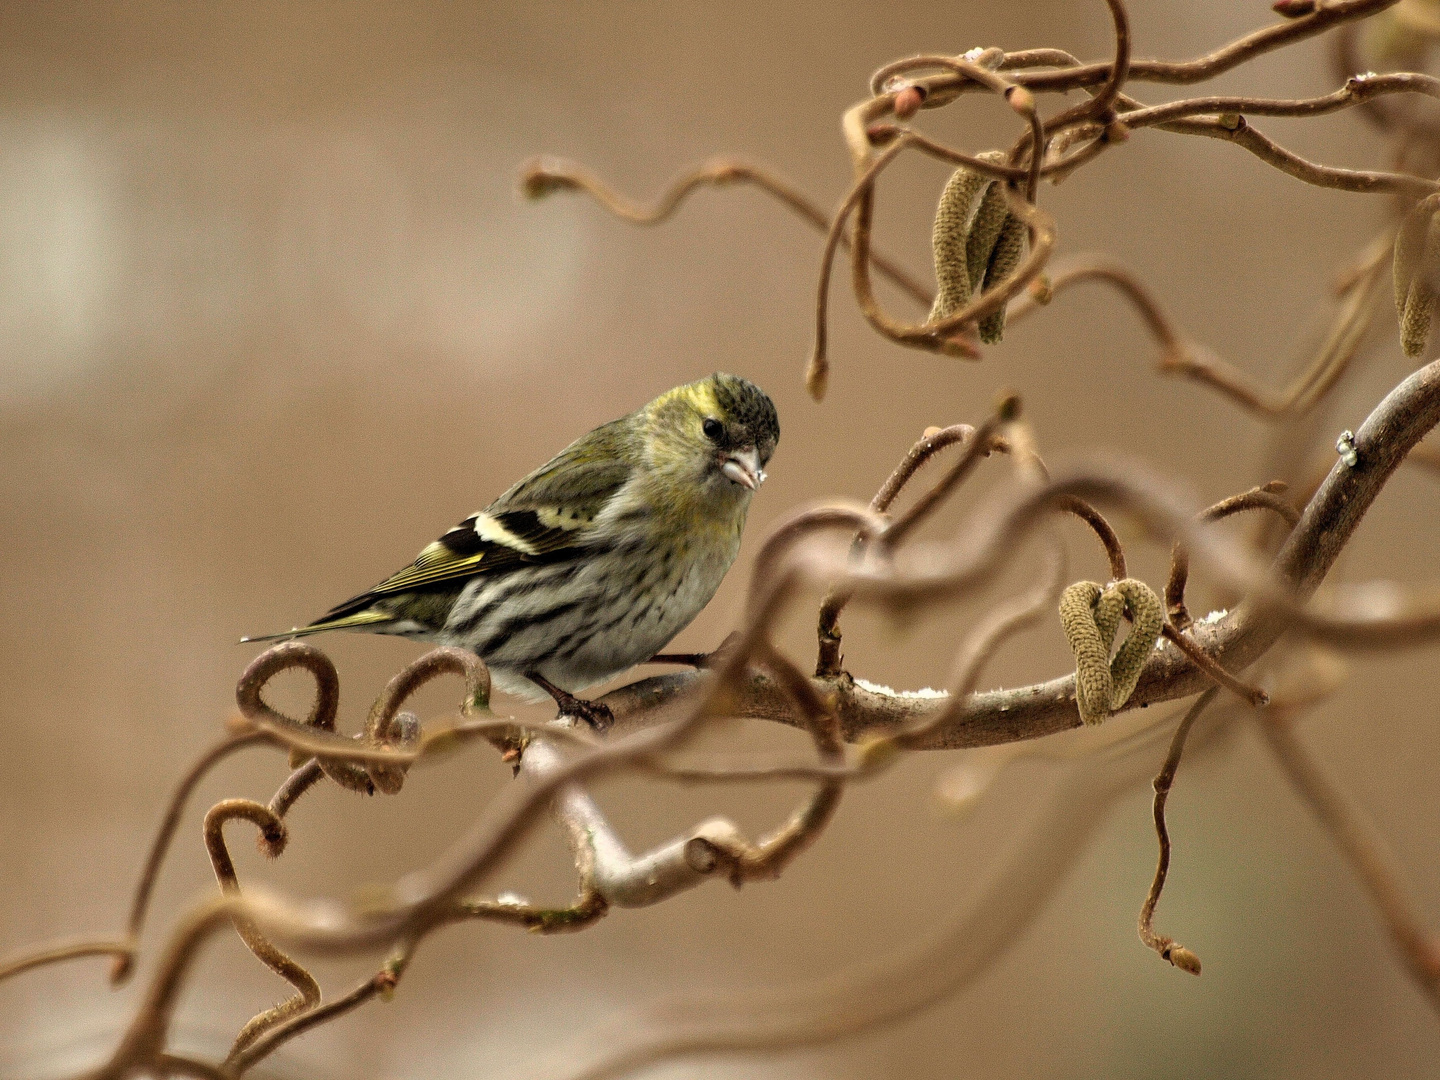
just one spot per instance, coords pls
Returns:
(486, 543)
(546, 517)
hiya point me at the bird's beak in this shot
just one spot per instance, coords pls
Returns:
(743, 467)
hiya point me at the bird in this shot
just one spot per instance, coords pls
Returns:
(593, 562)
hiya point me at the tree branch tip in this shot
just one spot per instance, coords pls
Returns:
(960, 346)
(883, 133)
(1007, 407)
(540, 176)
(908, 101)
(702, 855)
(122, 967)
(1021, 100)
(238, 723)
(1182, 958)
(271, 841)
(817, 376)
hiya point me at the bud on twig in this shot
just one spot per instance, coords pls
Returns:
(1183, 959)
(908, 102)
(538, 179)
(1021, 100)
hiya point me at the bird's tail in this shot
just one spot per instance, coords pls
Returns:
(347, 622)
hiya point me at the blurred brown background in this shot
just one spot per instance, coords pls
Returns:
(272, 317)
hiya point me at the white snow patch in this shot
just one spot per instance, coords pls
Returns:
(876, 688)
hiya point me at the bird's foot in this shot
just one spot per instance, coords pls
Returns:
(697, 660)
(593, 713)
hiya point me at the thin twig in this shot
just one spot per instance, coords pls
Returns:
(382, 984)
(1251, 695)
(1168, 948)
(272, 843)
(542, 175)
(122, 950)
(1181, 355)
(827, 662)
(1265, 497)
(139, 905)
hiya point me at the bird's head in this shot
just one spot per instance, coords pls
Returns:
(717, 432)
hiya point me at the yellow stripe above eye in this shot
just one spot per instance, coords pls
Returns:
(700, 395)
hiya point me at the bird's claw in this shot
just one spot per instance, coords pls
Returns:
(594, 713)
(597, 715)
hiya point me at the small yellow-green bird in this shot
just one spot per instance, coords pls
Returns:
(594, 561)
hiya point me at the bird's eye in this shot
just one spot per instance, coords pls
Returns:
(713, 429)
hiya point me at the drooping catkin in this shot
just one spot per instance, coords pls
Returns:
(1090, 615)
(977, 242)
(1147, 618)
(1090, 620)
(1415, 321)
(984, 232)
(1008, 249)
(953, 215)
(1416, 269)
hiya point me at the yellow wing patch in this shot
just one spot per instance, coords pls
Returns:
(433, 565)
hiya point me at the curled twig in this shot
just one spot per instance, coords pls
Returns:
(124, 963)
(930, 443)
(1265, 497)
(384, 728)
(1168, 948)
(272, 842)
(1183, 356)
(542, 175)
